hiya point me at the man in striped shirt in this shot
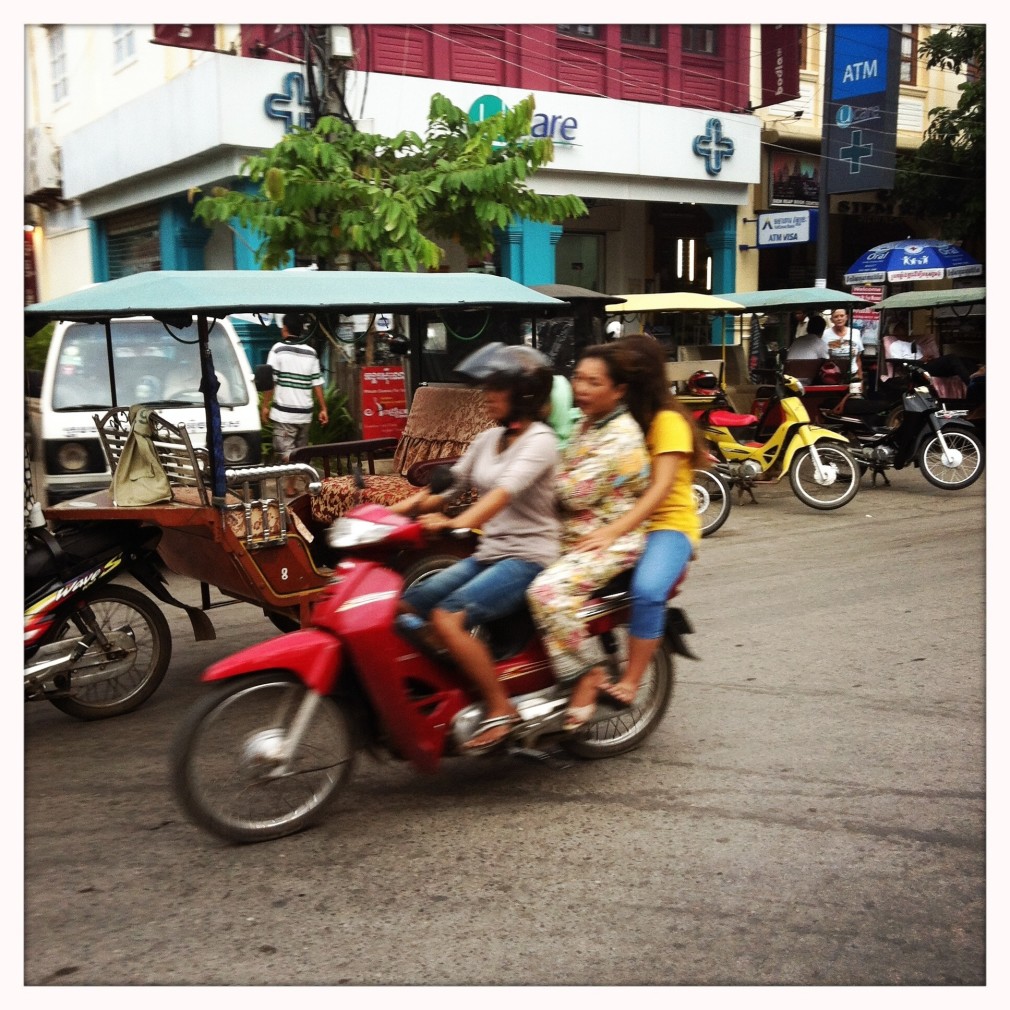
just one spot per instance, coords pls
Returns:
(297, 378)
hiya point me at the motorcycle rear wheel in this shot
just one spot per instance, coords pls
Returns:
(839, 492)
(711, 499)
(952, 478)
(227, 774)
(116, 607)
(623, 730)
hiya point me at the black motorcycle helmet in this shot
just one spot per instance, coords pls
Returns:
(523, 371)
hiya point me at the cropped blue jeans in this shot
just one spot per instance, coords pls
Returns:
(666, 555)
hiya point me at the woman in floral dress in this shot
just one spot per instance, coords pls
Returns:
(604, 468)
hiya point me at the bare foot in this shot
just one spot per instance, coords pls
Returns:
(622, 692)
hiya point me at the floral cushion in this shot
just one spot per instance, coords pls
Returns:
(339, 494)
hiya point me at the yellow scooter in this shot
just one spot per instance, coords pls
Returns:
(763, 447)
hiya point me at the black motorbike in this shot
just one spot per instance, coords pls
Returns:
(944, 445)
(95, 648)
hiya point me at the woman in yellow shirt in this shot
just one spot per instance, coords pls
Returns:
(673, 526)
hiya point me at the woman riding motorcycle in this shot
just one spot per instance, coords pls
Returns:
(604, 468)
(512, 468)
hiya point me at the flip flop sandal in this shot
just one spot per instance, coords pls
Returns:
(578, 718)
(489, 724)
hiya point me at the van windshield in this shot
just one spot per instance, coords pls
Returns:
(151, 365)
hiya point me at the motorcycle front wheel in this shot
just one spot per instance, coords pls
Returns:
(963, 467)
(711, 500)
(231, 772)
(615, 732)
(838, 483)
(105, 683)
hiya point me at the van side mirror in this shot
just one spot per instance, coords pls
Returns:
(264, 378)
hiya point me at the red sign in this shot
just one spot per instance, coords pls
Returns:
(31, 285)
(185, 36)
(869, 294)
(273, 42)
(780, 63)
(383, 401)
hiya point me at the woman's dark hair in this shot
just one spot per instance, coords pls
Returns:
(642, 363)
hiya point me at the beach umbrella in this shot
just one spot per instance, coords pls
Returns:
(912, 259)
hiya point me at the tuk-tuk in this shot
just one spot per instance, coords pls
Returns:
(673, 316)
(816, 395)
(231, 527)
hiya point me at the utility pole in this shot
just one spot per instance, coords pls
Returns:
(823, 197)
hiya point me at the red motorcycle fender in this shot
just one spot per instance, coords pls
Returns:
(311, 655)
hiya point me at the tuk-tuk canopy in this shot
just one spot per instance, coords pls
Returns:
(796, 298)
(184, 293)
(933, 299)
(177, 296)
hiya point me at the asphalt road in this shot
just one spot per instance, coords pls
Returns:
(812, 812)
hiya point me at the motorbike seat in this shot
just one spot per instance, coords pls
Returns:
(76, 548)
(726, 419)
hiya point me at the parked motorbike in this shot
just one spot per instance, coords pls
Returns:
(266, 752)
(93, 648)
(941, 443)
(752, 448)
(712, 499)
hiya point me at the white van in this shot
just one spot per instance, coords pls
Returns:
(151, 364)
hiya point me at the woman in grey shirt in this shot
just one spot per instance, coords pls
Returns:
(512, 468)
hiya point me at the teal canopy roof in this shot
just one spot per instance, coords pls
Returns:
(223, 292)
(795, 298)
(933, 299)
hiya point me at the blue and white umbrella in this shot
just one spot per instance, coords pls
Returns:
(913, 259)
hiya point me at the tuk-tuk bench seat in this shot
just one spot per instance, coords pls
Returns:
(442, 422)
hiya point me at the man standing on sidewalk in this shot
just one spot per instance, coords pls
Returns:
(297, 377)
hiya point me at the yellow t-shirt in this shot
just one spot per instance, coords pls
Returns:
(670, 432)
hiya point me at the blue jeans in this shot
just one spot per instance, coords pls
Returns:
(666, 555)
(483, 590)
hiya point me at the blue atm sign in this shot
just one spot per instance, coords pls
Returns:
(860, 64)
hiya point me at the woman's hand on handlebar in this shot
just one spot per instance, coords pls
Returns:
(435, 522)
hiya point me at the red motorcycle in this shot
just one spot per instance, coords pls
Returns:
(269, 749)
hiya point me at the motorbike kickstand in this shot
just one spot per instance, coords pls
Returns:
(879, 473)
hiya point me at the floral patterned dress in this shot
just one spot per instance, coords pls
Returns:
(603, 470)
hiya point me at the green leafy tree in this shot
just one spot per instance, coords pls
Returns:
(944, 180)
(331, 190)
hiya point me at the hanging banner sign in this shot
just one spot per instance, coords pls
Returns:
(383, 401)
(780, 63)
(861, 108)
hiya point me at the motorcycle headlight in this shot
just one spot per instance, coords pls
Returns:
(72, 457)
(236, 449)
(347, 532)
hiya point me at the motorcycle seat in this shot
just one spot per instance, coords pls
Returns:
(727, 419)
